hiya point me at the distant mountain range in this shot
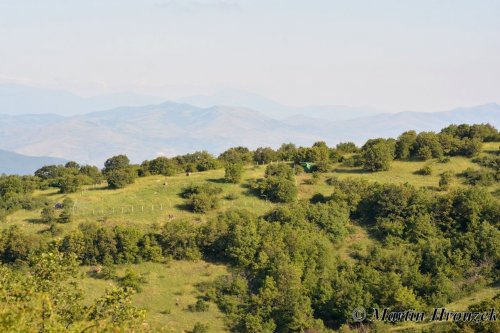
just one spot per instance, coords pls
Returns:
(13, 163)
(18, 99)
(169, 128)
(276, 110)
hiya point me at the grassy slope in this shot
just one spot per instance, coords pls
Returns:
(155, 200)
(169, 290)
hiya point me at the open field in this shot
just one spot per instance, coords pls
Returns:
(169, 289)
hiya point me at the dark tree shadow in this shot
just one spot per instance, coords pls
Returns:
(349, 170)
(35, 221)
(184, 206)
(217, 180)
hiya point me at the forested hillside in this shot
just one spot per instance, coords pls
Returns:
(286, 240)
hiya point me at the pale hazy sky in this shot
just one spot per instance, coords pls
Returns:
(393, 55)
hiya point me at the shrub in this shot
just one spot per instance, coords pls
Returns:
(281, 170)
(231, 196)
(298, 169)
(132, 280)
(278, 189)
(48, 214)
(353, 161)
(444, 159)
(199, 306)
(233, 172)
(199, 328)
(322, 166)
(67, 210)
(203, 202)
(315, 178)
(189, 191)
(424, 171)
(445, 179)
(479, 177)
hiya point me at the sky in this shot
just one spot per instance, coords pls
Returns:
(393, 55)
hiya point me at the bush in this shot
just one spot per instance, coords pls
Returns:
(322, 166)
(445, 180)
(279, 184)
(488, 161)
(199, 306)
(202, 198)
(203, 202)
(199, 328)
(108, 272)
(479, 177)
(233, 172)
(424, 171)
(231, 196)
(48, 214)
(281, 170)
(132, 280)
(298, 169)
(189, 191)
(444, 159)
(315, 178)
(67, 211)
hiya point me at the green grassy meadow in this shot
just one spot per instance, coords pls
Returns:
(168, 291)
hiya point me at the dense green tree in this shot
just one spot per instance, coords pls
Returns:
(427, 146)
(237, 155)
(179, 240)
(72, 165)
(118, 171)
(50, 172)
(92, 173)
(162, 166)
(264, 155)
(287, 151)
(377, 155)
(404, 145)
(70, 184)
(282, 170)
(347, 147)
(118, 162)
(203, 198)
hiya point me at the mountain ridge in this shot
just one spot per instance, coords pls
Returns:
(171, 128)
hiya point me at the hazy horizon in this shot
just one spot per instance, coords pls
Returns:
(390, 55)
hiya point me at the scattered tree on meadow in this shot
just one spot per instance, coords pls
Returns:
(118, 171)
(377, 155)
